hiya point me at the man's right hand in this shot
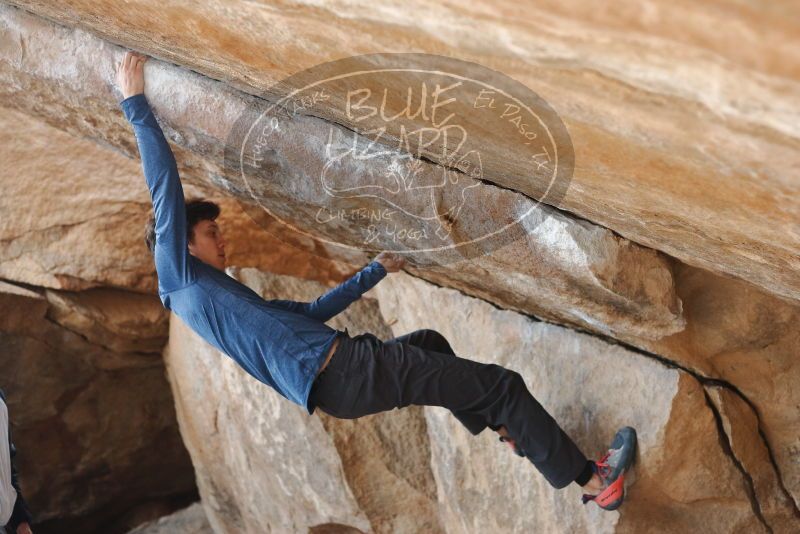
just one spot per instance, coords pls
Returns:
(130, 74)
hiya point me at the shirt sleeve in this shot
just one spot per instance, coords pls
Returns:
(20, 514)
(166, 192)
(337, 299)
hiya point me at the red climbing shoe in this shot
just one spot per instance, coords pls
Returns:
(611, 469)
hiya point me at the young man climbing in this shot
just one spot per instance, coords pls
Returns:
(287, 345)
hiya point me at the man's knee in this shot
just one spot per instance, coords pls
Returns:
(515, 379)
(436, 339)
(433, 333)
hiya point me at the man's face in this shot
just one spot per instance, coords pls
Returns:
(208, 244)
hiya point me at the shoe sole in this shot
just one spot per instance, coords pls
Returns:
(626, 439)
(611, 498)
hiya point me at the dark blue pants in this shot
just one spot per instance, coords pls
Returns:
(367, 376)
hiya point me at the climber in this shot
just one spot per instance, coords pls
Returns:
(14, 512)
(287, 345)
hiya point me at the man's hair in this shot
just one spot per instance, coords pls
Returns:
(196, 211)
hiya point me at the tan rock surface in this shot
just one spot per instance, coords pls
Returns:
(88, 229)
(121, 321)
(591, 277)
(741, 427)
(750, 339)
(765, 322)
(683, 478)
(685, 138)
(685, 141)
(264, 465)
(96, 429)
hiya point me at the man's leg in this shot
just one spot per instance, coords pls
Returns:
(433, 340)
(370, 376)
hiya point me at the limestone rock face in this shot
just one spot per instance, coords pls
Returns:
(107, 418)
(661, 291)
(264, 465)
(592, 278)
(695, 161)
(741, 426)
(750, 340)
(236, 431)
(88, 230)
(683, 476)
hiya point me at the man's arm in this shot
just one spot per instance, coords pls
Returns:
(20, 514)
(166, 192)
(338, 298)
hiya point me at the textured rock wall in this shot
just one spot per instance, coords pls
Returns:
(264, 465)
(78, 245)
(93, 419)
(579, 282)
(668, 271)
(685, 137)
(88, 230)
(749, 341)
(686, 473)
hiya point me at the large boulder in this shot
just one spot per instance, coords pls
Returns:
(668, 268)
(749, 340)
(562, 268)
(684, 474)
(264, 465)
(683, 116)
(242, 435)
(88, 230)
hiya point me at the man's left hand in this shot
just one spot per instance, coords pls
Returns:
(390, 261)
(24, 528)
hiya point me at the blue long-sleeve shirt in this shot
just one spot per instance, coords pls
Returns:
(282, 343)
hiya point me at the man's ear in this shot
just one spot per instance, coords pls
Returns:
(190, 243)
